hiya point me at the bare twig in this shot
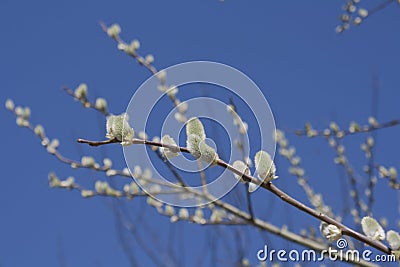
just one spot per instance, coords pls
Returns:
(85, 102)
(342, 133)
(98, 143)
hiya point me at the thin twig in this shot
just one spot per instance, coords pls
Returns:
(241, 148)
(98, 143)
(374, 135)
(85, 102)
(172, 169)
(342, 133)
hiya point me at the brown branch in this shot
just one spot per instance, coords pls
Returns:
(283, 196)
(134, 141)
(345, 230)
(263, 225)
(295, 203)
(267, 185)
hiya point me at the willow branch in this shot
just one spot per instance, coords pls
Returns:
(263, 225)
(283, 196)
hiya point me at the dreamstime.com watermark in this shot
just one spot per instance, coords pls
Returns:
(332, 254)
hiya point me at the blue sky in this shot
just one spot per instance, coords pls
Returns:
(307, 72)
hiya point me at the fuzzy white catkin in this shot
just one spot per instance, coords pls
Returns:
(196, 142)
(207, 153)
(39, 130)
(119, 128)
(194, 126)
(161, 76)
(252, 187)
(192, 144)
(265, 167)
(168, 152)
(182, 107)
(372, 228)
(180, 117)
(131, 188)
(109, 124)
(183, 214)
(87, 193)
(114, 30)
(330, 231)
(107, 163)
(101, 104)
(169, 210)
(216, 216)
(81, 91)
(200, 150)
(393, 239)
(143, 135)
(135, 45)
(88, 161)
(363, 12)
(149, 59)
(9, 104)
(241, 167)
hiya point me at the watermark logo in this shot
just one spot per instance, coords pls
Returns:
(332, 254)
(150, 110)
(341, 243)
